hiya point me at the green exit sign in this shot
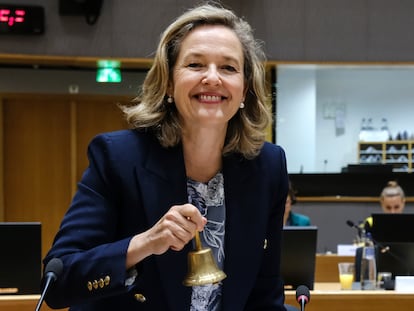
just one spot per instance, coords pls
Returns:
(108, 71)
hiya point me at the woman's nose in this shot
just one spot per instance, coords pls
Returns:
(212, 76)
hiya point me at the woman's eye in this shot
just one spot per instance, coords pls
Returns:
(194, 65)
(229, 68)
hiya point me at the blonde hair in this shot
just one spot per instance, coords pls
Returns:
(392, 189)
(246, 130)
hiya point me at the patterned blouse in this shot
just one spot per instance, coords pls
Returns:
(209, 199)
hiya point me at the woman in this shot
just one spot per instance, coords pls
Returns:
(392, 200)
(196, 160)
(290, 218)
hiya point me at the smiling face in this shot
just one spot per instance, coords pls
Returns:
(208, 79)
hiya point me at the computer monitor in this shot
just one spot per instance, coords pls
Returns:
(20, 257)
(393, 227)
(298, 256)
(393, 235)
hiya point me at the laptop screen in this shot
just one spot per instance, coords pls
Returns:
(20, 258)
(393, 227)
(298, 256)
(393, 235)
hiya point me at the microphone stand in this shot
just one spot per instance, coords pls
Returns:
(42, 297)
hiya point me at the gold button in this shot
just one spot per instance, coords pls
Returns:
(265, 244)
(140, 297)
(95, 284)
(107, 280)
(101, 283)
(89, 286)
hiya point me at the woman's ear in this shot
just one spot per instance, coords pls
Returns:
(170, 89)
(245, 92)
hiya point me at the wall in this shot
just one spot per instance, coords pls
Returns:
(45, 139)
(295, 30)
(296, 117)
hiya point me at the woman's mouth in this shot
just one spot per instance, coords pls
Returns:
(210, 98)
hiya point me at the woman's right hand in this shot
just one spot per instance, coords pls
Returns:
(173, 231)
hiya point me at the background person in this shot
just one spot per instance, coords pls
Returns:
(195, 160)
(392, 200)
(290, 218)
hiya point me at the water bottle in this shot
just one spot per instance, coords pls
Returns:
(368, 270)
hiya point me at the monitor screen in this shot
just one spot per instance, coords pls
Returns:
(20, 259)
(393, 227)
(298, 256)
(393, 235)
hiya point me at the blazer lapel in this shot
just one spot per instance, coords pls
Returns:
(163, 183)
(245, 230)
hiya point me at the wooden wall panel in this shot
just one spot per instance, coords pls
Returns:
(36, 162)
(94, 117)
(44, 153)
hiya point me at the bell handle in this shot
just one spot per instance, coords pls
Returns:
(197, 241)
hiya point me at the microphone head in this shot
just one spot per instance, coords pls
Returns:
(350, 223)
(302, 292)
(54, 266)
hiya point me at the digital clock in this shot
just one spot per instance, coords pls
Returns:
(21, 19)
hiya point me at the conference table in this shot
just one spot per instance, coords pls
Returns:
(329, 296)
(325, 296)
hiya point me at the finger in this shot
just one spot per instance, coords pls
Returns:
(177, 217)
(191, 213)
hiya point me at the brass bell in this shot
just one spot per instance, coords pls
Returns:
(202, 268)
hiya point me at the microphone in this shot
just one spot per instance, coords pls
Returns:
(302, 296)
(353, 225)
(52, 272)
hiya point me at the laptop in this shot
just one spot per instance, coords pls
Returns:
(298, 256)
(20, 257)
(393, 227)
(393, 235)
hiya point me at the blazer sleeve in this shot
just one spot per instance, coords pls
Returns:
(88, 241)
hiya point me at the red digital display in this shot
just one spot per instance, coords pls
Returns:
(12, 17)
(21, 19)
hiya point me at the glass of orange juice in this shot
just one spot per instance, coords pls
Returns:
(346, 274)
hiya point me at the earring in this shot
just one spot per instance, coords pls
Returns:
(170, 99)
(241, 105)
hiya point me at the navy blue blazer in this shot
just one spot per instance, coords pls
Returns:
(130, 183)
